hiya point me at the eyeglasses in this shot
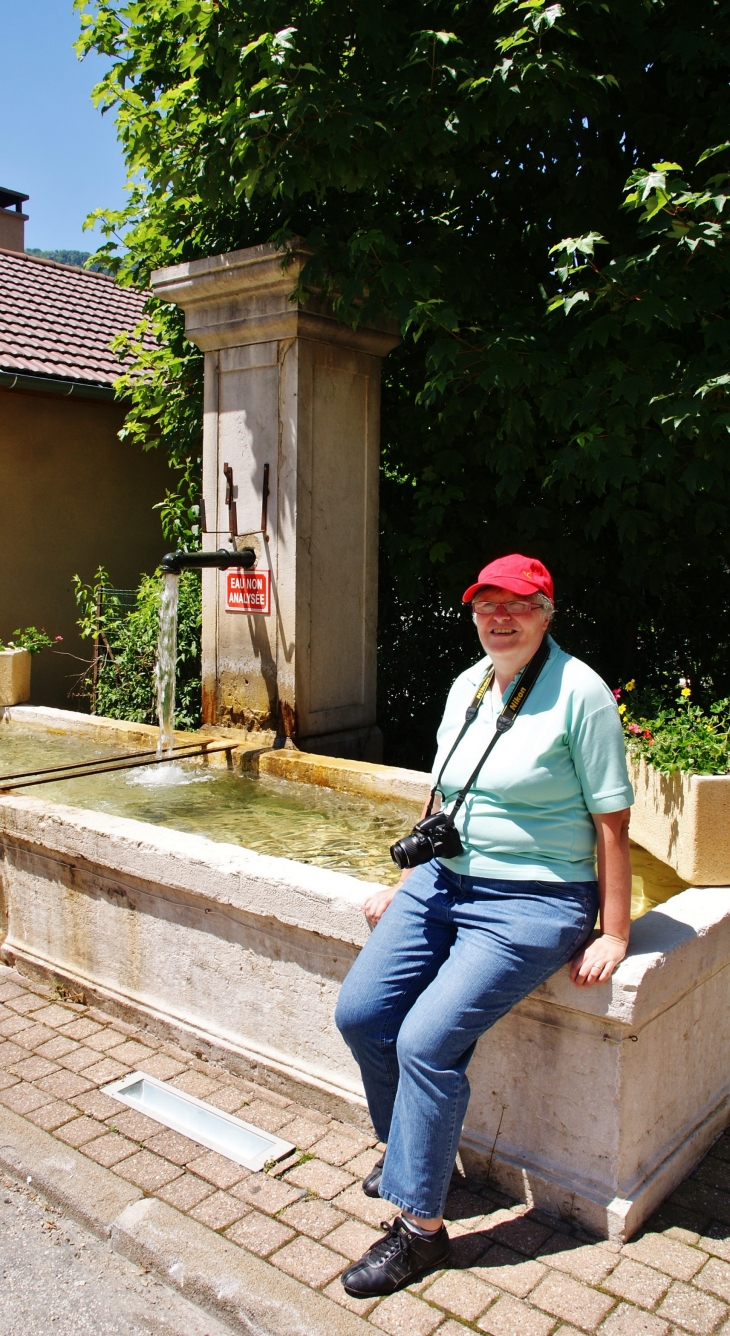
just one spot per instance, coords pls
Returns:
(515, 608)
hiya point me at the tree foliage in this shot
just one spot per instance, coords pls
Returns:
(75, 257)
(526, 187)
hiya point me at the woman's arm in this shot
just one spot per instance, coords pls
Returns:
(598, 960)
(375, 905)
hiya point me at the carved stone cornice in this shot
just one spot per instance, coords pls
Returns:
(245, 297)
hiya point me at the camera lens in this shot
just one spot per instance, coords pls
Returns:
(406, 852)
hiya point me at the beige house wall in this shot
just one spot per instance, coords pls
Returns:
(72, 497)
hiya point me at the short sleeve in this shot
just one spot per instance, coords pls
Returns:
(599, 757)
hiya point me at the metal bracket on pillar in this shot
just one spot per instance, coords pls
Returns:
(265, 501)
(230, 502)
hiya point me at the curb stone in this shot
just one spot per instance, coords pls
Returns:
(225, 1279)
(250, 1295)
(91, 1195)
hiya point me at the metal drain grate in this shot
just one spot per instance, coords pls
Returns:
(238, 1141)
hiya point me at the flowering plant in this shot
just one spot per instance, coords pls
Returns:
(31, 639)
(682, 737)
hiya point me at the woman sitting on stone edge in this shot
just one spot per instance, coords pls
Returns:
(460, 940)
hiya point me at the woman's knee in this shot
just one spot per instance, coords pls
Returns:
(356, 1015)
(418, 1046)
(431, 1042)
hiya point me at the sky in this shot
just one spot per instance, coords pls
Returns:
(54, 145)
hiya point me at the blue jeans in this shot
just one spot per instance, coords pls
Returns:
(450, 956)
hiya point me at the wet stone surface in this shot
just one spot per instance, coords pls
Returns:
(513, 1271)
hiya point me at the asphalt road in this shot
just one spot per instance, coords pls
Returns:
(57, 1280)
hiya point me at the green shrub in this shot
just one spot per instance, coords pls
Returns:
(682, 737)
(121, 681)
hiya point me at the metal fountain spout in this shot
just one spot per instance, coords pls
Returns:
(175, 562)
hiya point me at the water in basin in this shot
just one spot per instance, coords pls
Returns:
(343, 831)
(653, 882)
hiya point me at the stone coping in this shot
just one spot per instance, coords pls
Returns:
(300, 895)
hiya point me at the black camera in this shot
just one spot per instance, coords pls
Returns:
(434, 837)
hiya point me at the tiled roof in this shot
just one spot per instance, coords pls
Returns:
(58, 321)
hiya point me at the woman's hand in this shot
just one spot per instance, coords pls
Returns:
(375, 906)
(599, 958)
(596, 962)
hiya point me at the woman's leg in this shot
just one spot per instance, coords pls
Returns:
(400, 960)
(509, 937)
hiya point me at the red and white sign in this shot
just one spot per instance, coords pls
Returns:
(248, 591)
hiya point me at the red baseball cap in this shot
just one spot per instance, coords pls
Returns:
(521, 575)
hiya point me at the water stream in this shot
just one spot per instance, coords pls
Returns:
(166, 662)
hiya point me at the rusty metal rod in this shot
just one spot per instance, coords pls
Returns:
(99, 760)
(111, 769)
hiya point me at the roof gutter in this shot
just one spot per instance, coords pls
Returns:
(10, 380)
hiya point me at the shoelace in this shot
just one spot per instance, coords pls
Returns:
(397, 1240)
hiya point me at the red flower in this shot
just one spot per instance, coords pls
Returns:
(647, 735)
(617, 693)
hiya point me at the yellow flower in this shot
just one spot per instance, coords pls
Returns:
(622, 709)
(686, 691)
(630, 685)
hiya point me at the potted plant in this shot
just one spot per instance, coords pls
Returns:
(679, 762)
(15, 659)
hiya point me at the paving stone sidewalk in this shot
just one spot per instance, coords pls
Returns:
(513, 1271)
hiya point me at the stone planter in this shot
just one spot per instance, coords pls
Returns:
(685, 821)
(14, 676)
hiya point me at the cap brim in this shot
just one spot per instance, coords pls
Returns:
(510, 582)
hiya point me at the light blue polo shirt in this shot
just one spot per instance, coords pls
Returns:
(528, 817)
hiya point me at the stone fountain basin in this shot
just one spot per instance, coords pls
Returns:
(590, 1104)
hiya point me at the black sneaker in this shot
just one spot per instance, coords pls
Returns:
(371, 1181)
(395, 1260)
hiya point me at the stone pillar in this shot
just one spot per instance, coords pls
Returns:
(288, 385)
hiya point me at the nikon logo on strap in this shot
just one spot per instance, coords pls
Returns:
(511, 709)
(481, 692)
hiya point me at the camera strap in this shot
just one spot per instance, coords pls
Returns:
(470, 715)
(505, 720)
